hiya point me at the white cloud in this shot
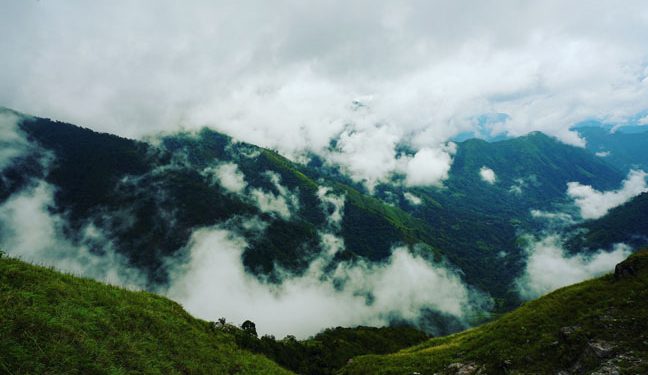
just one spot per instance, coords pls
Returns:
(367, 155)
(282, 204)
(560, 218)
(332, 205)
(643, 120)
(29, 231)
(487, 175)
(602, 154)
(290, 76)
(12, 142)
(594, 204)
(549, 267)
(214, 284)
(429, 166)
(412, 199)
(229, 176)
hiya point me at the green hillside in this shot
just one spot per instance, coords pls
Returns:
(52, 323)
(627, 223)
(150, 196)
(595, 325)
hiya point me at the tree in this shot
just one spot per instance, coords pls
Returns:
(248, 326)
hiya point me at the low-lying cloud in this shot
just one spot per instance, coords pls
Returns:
(12, 141)
(30, 232)
(594, 204)
(549, 267)
(487, 175)
(213, 283)
(228, 176)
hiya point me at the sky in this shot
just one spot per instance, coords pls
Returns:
(294, 75)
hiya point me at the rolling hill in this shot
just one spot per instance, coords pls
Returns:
(53, 323)
(595, 327)
(627, 223)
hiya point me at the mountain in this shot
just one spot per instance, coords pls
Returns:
(624, 150)
(479, 222)
(149, 197)
(595, 327)
(627, 223)
(59, 324)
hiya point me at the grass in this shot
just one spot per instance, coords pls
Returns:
(52, 323)
(529, 339)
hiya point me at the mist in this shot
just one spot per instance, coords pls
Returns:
(594, 204)
(549, 266)
(30, 232)
(213, 284)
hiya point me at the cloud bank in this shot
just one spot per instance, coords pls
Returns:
(214, 283)
(29, 231)
(549, 267)
(370, 75)
(594, 204)
(12, 141)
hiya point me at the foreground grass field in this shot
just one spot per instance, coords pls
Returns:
(598, 326)
(51, 323)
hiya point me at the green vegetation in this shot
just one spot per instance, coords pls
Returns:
(331, 349)
(596, 324)
(626, 223)
(150, 196)
(623, 150)
(52, 323)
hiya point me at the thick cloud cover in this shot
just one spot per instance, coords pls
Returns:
(214, 283)
(594, 204)
(549, 267)
(294, 76)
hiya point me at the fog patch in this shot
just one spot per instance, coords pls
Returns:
(332, 205)
(487, 175)
(227, 175)
(520, 184)
(12, 142)
(594, 204)
(429, 166)
(557, 218)
(412, 199)
(549, 267)
(29, 231)
(213, 283)
(281, 204)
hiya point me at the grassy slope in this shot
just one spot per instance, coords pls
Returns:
(529, 339)
(52, 323)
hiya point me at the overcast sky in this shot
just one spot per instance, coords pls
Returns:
(295, 74)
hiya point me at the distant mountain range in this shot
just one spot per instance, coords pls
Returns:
(150, 196)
